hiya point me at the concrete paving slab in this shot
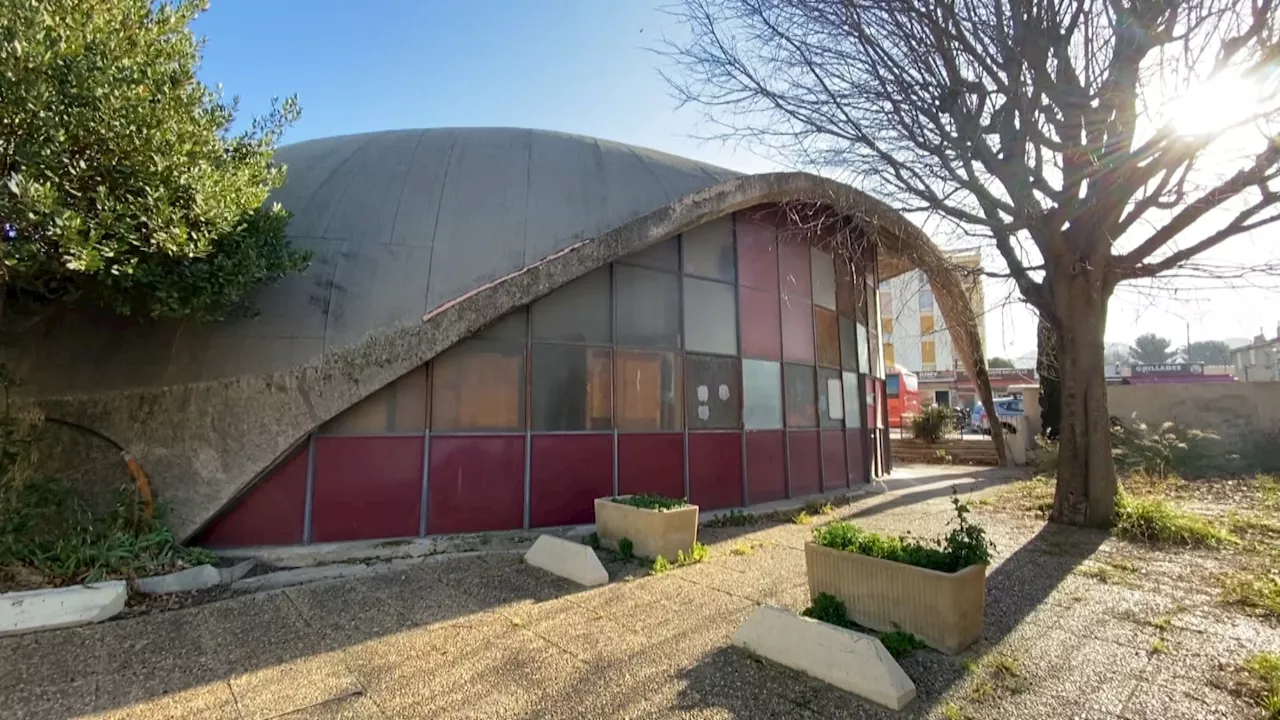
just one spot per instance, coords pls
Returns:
(301, 683)
(214, 701)
(352, 707)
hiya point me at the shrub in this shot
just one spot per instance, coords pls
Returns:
(649, 501)
(901, 643)
(626, 548)
(933, 423)
(966, 544)
(829, 609)
(1169, 450)
(592, 540)
(1155, 520)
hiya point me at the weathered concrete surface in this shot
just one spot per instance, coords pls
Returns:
(489, 637)
(228, 575)
(570, 560)
(849, 660)
(52, 608)
(199, 577)
(1237, 411)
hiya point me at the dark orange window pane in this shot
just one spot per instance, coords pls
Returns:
(827, 331)
(647, 388)
(478, 385)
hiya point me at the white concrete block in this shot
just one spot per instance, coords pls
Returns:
(567, 559)
(199, 577)
(846, 659)
(24, 612)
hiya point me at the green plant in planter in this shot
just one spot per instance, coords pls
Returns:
(649, 501)
(966, 544)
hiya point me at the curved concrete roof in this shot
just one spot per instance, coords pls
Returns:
(420, 238)
(400, 222)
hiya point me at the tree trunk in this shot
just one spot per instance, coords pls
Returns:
(1086, 490)
(1050, 388)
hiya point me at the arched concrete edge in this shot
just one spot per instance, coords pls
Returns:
(203, 444)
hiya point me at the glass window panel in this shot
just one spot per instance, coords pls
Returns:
(710, 317)
(648, 307)
(848, 344)
(757, 256)
(928, 352)
(761, 395)
(647, 387)
(827, 332)
(853, 395)
(797, 330)
(797, 267)
(926, 299)
(761, 322)
(511, 326)
(572, 388)
(400, 406)
(926, 325)
(478, 385)
(846, 295)
(800, 396)
(830, 399)
(888, 356)
(708, 250)
(576, 312)
(663, 256)
(864, 357)
(824, 278)
(711, 393)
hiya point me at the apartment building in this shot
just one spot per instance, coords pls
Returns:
(914, 332)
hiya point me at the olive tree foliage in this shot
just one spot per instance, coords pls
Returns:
(1033, 124)
(122, 180)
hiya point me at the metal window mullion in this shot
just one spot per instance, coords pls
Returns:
(311, 484)
(426, 471)
(528, 417)
(684, 366)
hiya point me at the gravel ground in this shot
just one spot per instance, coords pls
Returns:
(1078, 625)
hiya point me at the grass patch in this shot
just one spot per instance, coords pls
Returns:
(1269, 489)
(650, 501)
(966, 544)
(1263, 672)
(1256, 591)
(1157, 521)
(733, 518)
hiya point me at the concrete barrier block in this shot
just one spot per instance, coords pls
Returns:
(567, 559)
(849, 660)
(51, 608)
(199, 577)
(231, 574)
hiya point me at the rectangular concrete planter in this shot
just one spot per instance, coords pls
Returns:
(652, 532)
(942, 609)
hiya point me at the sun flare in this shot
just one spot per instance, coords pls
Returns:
(1215, 106)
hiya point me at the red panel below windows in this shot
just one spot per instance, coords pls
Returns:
(761, 321)
(270, 513)
(366, 487)
(715, 470)
(651, 463)
(855, 447)
(805, 463)
(476, 483)
(567, 473)
(833, 461)
(766, 466)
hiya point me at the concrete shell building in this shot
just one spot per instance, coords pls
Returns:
(498, 326)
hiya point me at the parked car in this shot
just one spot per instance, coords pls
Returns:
(1007, 410)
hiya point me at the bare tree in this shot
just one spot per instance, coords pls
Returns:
(1039, 124)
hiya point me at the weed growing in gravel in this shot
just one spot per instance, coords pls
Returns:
(626, 548)
(733, 518)
(951, 711)
(1157, 521)
(1254, 590)
(901, 643)
(592, 540)
(1263, 670)
(697, 554)
(802, 518)
(1159, 647)
(660, 565)
(830, 609)
(743, 549)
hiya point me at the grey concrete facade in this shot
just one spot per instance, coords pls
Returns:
(420, 238)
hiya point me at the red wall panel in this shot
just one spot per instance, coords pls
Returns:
(566, 474)
(797, 330)
(715, 469)
(476, 483)
(797, 267)
(761, 322)
(366, 487)
(805, 464)
(270, 513)
(766, 466)
(855, 447)
(833, 461)
(651, 463)
(757, 255)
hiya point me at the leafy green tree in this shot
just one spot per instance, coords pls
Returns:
(1151, 349)
(999, 362)
(122, 178)
(1209, 352)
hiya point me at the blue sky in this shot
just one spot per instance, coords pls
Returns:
(581, 66)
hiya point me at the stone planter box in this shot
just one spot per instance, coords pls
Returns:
(942, 609)
(652, 532)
